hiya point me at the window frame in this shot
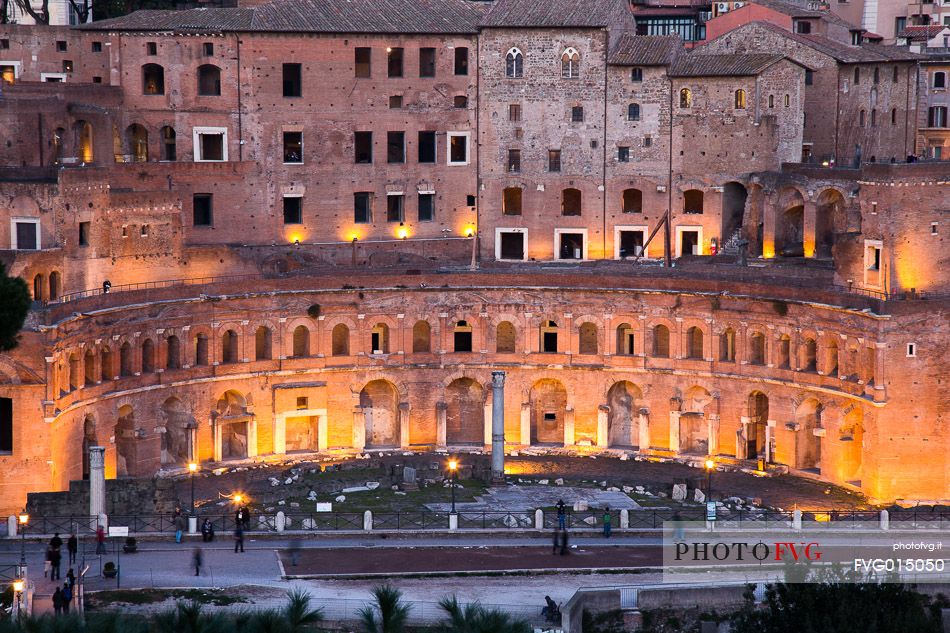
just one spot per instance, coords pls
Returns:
(13, 236)
(448, 148)
(292, 196)
(283, 138)
(204, 196)
(516, 69)
(198, 132)
(499, 231)
(369, 197)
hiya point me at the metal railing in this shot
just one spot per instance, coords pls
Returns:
(151, 285)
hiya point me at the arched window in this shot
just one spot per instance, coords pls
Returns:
(54, 286)
(105, 364)
(262, 343)
(125, 359)
(784, 352)
(83, 141)
(757, 349)
(89, 368)
(421, 337)
(379, 339)
(505, 338)
(209, 81)
(861, 118)
(570, 64)
(548, 333)
(340, 344)
(692, 201)
(462, 336)
(571, 202)
(169, 144)
(39, 283)
(632, 201)
(740, 99)
(694, 343)
(587, 339)
(727, 346)
(633, 112)
(857, 76)
(229, 347)
(939, 79)
(810, 362)
(153, 79)
(831, 358)
(74, 377)
(301, 341)
(686, 98)
(511, 201)
(661, 341)
(626, 339)
(514, 64)
(148, 356)
(877, 75)
(136, 138)
(201, 349)
(173, 360)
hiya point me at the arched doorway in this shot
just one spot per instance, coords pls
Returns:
(733, 208)
(125, 444)
(380, 405)
(808, 445)
(233, 425)
(176, 433)
(465, 412)
(548, 401)
(623, 428)
(790, 229)
(830, 205)
(755, 429)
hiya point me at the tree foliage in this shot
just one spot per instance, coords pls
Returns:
(389, 614)
(14, 306)
(474, 618)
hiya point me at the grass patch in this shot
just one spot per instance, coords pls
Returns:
(104, 599)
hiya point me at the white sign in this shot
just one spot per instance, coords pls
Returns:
(324, 507)
(118, 530)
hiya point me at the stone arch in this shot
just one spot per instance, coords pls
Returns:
(153, 79)
(233, 424)
(148, 356)
(831, 356)
(39, 287)
(465, 412)
(229, 347)
(379, 401)
(136, 142)
(89, 367)
(694, 342)
(829, 214)
(176, 434)
(626, 340)
(209, 80)
(301, 342)
(506, 338)
(74, 374)
(693, 433)
(125, 359)
(173, 357)
(727, 345)
(661, 341)
(790, 224)
(105, 363)
(340, 340)
(82, 141)
(421, 337)
(754, 431)
(807, 442)
(379, 339)
(587, 338)
(756, 348)
(548, 402)
(263, 343)
(809, 360)
(55, 285)
(125, 442)
(693, 201)
(783, 352)
(623, 419)
(202, 349)
(734, 196)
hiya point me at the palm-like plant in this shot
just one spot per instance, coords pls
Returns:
(474, 618)
(393, 613)
(189, 617)
(297, 612)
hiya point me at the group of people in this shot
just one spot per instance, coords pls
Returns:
(607, 520)
(63, 596)
(242, 523)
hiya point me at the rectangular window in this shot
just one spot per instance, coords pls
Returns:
(97, 80)
(5, 44)
(937, 116)
(394, 207)
(872, 263)
(514, 112)
(809, 77)
(208, 49)
(293, 210)
(151, 48)
(395, 102)
(363, 142)
(6, 425)
(577, 114)
(426, 207)
(84, 233)
(623, 154)
(647, 141)
(510, 244)
(61, 46)
(458, 148)
(395, 147)
(8, 74)
(426, 147)
(363, 207)
(210, 144)
(202, 212)
(394, 61)
(97, 47)
(636, 74)
(364, 65)
(301, 402)
(554, 160)
(293, 147)
(514, 160)
(427, 62)
(803, 27)
(293, 80)
(26, 234)
(461, 60)
(67, 65)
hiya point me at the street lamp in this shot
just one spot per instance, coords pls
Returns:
(710, 467)
(18, 586)
(238, 498)
(24, 519)
(454, 469)
(192, 468)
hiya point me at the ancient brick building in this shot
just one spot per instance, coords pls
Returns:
(321, 231)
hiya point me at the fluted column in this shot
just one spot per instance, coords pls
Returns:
(498, 426)
(97, 480)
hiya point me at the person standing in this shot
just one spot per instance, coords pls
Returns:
(561, 515)
(55, 559)
(207, 530)
(58, 601)
(48, 562)
(72, 546)
(180, 526)
(56, 542)
(607, 522)
(239, 537)
(197, 558)
(247, 517)
(71, 578)
(67, 597)
(100, 540)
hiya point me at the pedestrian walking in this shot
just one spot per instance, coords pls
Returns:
(72, 546)
(180, 526)
(100, 540)
(55, 558)
(556, 542)
(58, 601)
(56, 542)
(561, 515)
(207, 530)
(197, 558)
(678, 531)
(48, 561)
(239, 538)
(607, 522)
(67, 597)
(70, 578)
(564, 539)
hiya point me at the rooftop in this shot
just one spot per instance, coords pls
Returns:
(645, 50)
(728, 65)
(555, 13)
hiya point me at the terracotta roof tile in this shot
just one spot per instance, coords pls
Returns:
(554, 13)
(728, 65)
(645, 50)
(922, 32)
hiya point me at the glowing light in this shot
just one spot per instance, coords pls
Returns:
(389, 49)
(710, 464)
(238, 498)
(24, 518)
(18, 585)
(469, 231)
(402, 232)
(192, 467)
(453, 465)
(824, 163)
(354, 237)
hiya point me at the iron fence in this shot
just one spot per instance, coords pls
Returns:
(488, 520)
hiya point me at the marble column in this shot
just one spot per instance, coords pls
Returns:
(404, 425)
(712, 433)
(603, 416)
(526, 423)
(498, 426)
(440, 424)
(97, 481)
(359, 429)
(644, 430)
(675, 431)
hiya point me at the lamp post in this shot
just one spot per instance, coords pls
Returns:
(710, 467)
(18, 586)
(453, 468)
(24, 519)
(192, 468)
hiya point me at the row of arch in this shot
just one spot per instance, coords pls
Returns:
(631, 201)
(570, 63)
(208, 80)
(133, 146)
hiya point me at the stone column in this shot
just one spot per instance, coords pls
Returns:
(712, 432)
(280, 433)
(404, 425)
(359, 428)
(569, 426)
(97, 481)
(742, 434)
(252, 436)
(603, 430)
(810, 222)
(644, 429)
(526, 423)
(769, 435)
(322, 432)
(440, 424)
(498, 426)
(879, 371)
(769, 219)
(216, 436)
(675, 431)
